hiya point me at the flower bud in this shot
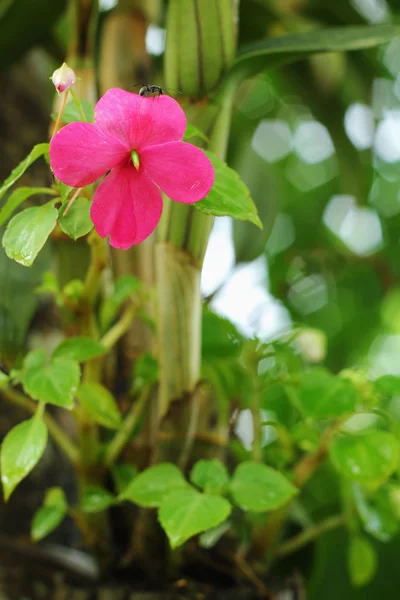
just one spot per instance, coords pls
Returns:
(63, 78)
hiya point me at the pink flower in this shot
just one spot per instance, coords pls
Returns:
(137, 139)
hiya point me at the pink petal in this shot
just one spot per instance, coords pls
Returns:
(81, 153)
(127, 206)
(139, 121)
(182, 171)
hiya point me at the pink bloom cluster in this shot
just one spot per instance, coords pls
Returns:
(137, 139)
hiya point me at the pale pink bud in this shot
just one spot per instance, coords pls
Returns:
(63, 78)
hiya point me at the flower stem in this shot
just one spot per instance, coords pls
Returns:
(60, 112)
(72, 200)
(310, 534)
(119, 329)
(78, 104)
(123, 434)
(60, 438)
(97, 265)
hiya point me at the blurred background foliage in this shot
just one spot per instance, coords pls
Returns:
(318, 144)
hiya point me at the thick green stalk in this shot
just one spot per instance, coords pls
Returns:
(200, 47)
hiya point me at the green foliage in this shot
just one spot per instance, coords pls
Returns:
(27, 233)
(229, 196)
(368, 457)
(17, 197)
(258, 488)
(37, 151)
(125, 287)
(21, 450)
(95, 499)
(50, 515)
(362, 560)
(77, 222)
(79, 348)
(186, 512)
(54, 383)
(323, 396)
(211, 476)
(152, 486)
(99, 404)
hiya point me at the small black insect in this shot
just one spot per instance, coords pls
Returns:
(154, 90)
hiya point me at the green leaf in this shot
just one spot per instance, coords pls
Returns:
(388, 385)
(209, 538)
(55, 383)
(272, 52)
(125, 287)
(210, 475)
(229, 196)
(220, 338)
(186, 512)
(28, 231)
(77, 222)
(323, 396)
(72, 113)
(95, 499)
(376, 513)
(49, 284)
(100, 404)
(151, 487)
(192, 132)
(36, 152)
(362, 560)
(50, 515)
(20, 451)
(146, 372)
(17, 198)
(35, 358)
(123, 474)
(259, 488)
(372, 456)
(79, 348)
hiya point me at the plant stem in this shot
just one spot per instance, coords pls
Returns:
(97, 265)
(60, 438)
(310, 534)
(123, 434)
(72, 200)
(60, 112)
(119, 329)
(78, 104)
(256, 416)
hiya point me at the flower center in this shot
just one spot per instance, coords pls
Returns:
(135, 159)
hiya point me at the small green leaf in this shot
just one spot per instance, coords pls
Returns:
(151, 487)
(229, 196)
(210, 475)
(125, 287)
(388, 385)
(146, 372)
(55, 383)
(376, 513)
(220, 338)
(35, 358)
(20, 451)
(186, 512)
(17, 198)
(77, 222)
(100, 404)
(79, 348)
(324, 396)
(36, 152)
(192, 132)
(259, 488)
(72, 114)
(123, 474)
(28, 231)
(371, 456)
(95, 499)
(209, 538)
(362, 561)
(50, 515)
